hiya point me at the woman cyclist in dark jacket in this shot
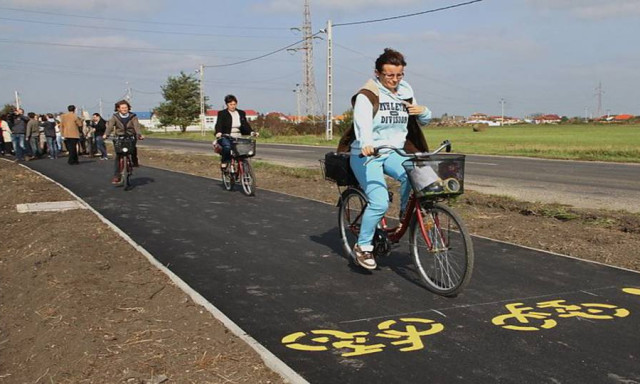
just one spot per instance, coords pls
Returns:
(233, 122)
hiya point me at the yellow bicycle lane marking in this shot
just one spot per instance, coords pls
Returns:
(408, 332)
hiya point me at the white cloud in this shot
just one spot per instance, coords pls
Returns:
(84, 5)
(591, 9)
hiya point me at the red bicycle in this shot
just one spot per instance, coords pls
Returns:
(439, 241)
(239, 167)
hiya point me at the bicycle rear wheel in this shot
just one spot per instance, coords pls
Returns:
(352, 206)
(227, 178)
(248, 179)
(442, 249)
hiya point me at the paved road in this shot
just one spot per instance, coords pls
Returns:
(578, 183)
(272, 264)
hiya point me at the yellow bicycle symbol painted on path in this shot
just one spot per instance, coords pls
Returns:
(407, 332)
(522, 318)
(632, 291)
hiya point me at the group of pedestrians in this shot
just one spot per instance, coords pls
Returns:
(34, 136)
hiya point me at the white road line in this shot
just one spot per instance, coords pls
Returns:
(475, 162)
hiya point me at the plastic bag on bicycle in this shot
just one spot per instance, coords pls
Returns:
(217, 148)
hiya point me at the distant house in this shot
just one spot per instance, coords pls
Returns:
(506, 121)
(547, 119)
(478, 116)
(292, 118)
(148, 119)
(340, 119)
(482, 118)
(280, 116)
(452, 119)
(623, 117)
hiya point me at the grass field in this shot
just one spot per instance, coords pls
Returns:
(618, 143)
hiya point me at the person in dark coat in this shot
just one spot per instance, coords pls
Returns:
(231, 122)
(99, 126)
(18, 125)
(49, 126)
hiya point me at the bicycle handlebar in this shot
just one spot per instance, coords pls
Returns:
(252, 134)
(444, 145)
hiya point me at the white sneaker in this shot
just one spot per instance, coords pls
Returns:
(365, 258)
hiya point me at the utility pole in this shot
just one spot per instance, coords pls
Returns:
(128, 94)
(329, 129)
(100, 105)
(599, 93)
(308, 86)
(308, 78)
(502, 119)
(586, 114)
(202, 111)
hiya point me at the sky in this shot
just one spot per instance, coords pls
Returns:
(530, 56)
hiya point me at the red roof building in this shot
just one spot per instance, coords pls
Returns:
(623, 117)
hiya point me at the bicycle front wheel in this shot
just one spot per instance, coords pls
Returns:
(227, 178)
(442, 249)
(352, 205)
(248, 179)
(126, 173)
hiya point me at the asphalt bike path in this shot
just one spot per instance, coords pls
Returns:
(273, 264)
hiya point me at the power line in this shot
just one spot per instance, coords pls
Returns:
(139, 21)
(129, 48)
(417, 74)
(146, 92)
(408, 15)
(262, 56)
(138, 30)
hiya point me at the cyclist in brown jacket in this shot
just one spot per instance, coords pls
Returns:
(124, 123)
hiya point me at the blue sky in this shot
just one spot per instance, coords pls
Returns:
(540, 56)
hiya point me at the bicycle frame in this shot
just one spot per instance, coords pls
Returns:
(396, 233)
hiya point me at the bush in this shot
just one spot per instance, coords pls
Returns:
(266, 133)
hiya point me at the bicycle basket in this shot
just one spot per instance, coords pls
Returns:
(447, 169)
(244, 147)
(123, 144)
(337, 169)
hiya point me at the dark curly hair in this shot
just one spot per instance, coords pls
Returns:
(119, 103)
(390, 56)
(230, 98)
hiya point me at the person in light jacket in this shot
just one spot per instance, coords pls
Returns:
(385, 113)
